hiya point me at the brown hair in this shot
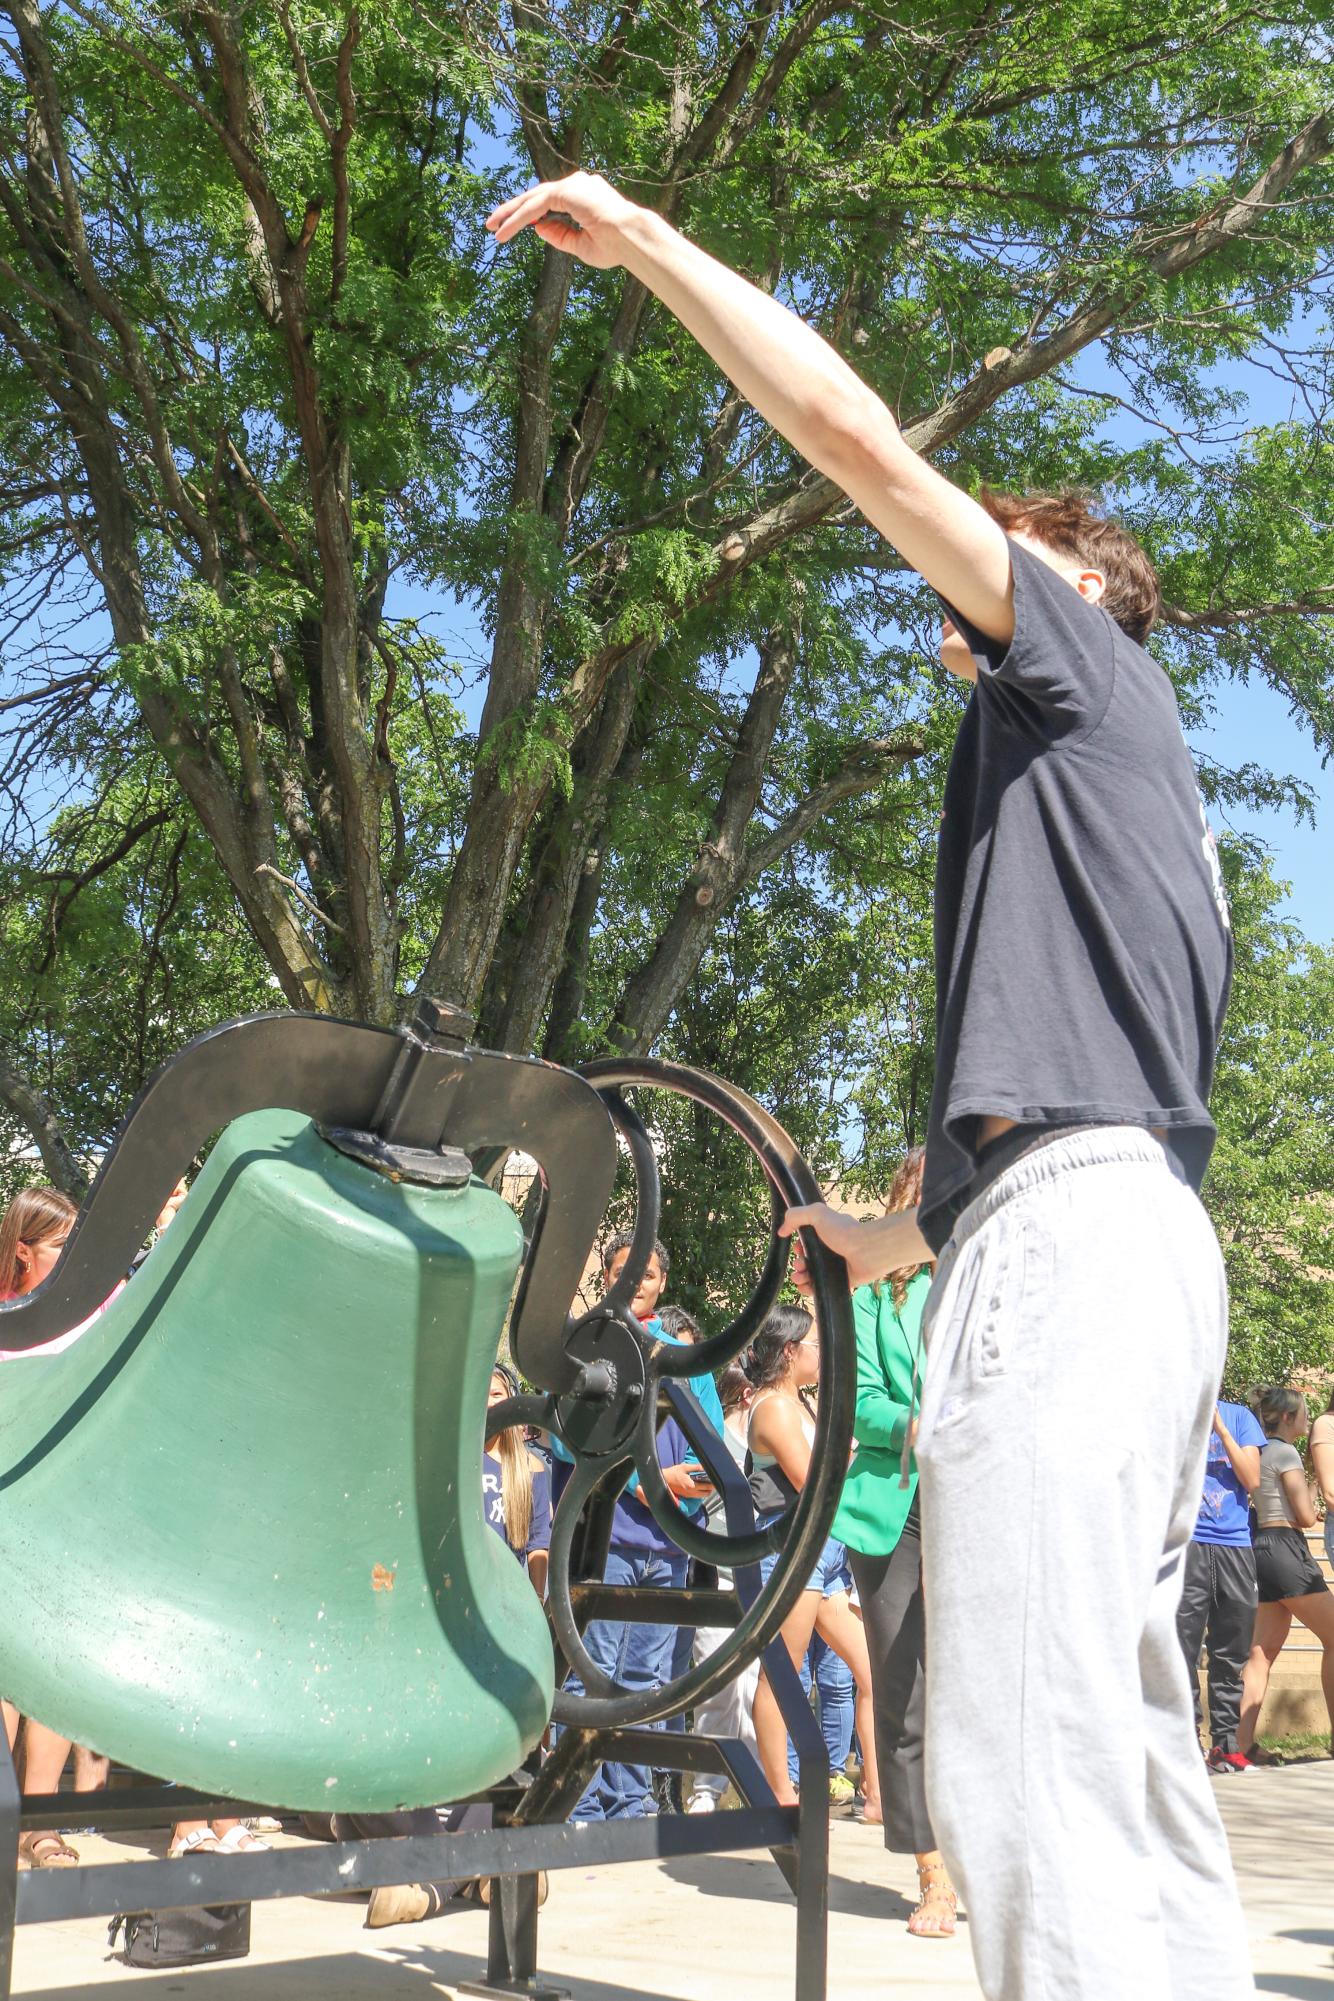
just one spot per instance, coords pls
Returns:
(767, 1361)
(516, 1478)
(34, 1217)
(1067, 523)
(1273, 1405)
(905, 1192)
(734, 1387)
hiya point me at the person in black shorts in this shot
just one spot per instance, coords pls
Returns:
(1291, 1583)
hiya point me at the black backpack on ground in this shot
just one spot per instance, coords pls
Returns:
(183, 1938)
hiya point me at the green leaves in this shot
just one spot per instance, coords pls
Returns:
(436, 574)
(1271, 1186)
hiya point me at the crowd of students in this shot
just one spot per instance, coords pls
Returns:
(857, 1632)
(1249, 1569)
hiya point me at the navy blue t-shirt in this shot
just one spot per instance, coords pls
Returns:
(493, 1505)
(1225, 1510)
(1083, 949)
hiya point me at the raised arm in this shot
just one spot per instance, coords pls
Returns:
(1243, 1459)
(795, 380)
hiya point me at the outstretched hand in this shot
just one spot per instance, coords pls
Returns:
(844, 1235)
(582, 214)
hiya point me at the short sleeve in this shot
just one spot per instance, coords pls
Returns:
(1058, 670)
(539, 1528)
(1247, 1430)
(1284, 1458)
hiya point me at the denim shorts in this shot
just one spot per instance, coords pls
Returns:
(832, 1572)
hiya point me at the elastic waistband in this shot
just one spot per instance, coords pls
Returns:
(1062, 1154)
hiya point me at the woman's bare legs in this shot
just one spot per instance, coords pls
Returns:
(44, 1755)
(1316, 1612)
(770, 1729)
(1273, 1622)
(185, 1828)
(840, 1628)
(11, 1716)
(91, 1770)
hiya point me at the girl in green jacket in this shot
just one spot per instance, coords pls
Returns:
(877, 1519)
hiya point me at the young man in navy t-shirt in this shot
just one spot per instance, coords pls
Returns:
(1218, 1597)
(1083, 959)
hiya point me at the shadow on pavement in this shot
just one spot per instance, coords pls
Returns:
(410, 1972)
(335, 1974)
(759, 1882)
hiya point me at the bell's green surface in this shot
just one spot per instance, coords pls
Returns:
(240, 1517)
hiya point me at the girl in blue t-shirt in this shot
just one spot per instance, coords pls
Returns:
(516, 1487)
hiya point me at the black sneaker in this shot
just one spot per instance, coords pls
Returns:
(667, 1792)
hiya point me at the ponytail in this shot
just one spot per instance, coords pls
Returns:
(1273, 1405)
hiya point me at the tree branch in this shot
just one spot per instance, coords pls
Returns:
(867, 767)
(34, 1112)
(308, 903)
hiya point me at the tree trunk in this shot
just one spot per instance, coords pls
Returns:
(502, 804)
(30, 1108)
(561, 868)
(718, 873)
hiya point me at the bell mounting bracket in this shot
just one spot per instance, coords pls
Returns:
(417, 1103)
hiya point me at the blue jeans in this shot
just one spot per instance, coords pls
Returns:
(637, 1657)
(837, 1691)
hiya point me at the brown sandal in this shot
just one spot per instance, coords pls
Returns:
(935, 1913)
(483, 1889)
(48, 1851)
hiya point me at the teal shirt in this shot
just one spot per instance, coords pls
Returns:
(875, 1503)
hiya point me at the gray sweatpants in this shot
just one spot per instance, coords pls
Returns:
(1075, 1337)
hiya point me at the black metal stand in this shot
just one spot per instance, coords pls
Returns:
(513, 1855)
(400, 1101)
(538, 1835)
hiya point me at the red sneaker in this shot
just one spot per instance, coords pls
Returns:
(1220, 1760)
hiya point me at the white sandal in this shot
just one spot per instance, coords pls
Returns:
(239, 1840)
(199, 1841)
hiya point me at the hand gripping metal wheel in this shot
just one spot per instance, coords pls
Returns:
(608, 1422)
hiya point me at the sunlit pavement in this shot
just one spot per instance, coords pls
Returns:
(713, 1928)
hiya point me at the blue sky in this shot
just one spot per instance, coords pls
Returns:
(1254, 724)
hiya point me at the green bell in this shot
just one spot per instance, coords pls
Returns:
(241, 1515)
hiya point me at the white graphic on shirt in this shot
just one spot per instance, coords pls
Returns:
(1215, 868)
(494, 1500)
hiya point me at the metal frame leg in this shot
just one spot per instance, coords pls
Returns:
(511, 1958)
(10, 1807)
(511, 1949)
(808, 1871)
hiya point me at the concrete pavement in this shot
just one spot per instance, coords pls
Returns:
(712, 1928)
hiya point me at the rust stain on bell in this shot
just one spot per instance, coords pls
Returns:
(382, 1579)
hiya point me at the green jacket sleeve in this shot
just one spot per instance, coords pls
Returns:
(881, 1418)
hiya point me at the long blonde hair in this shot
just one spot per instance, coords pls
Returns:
(34, 1217)
(905, 1192)
(516, 1480)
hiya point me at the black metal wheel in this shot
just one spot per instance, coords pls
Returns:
(609, 1421)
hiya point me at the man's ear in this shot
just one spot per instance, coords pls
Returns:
(1091, 584)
